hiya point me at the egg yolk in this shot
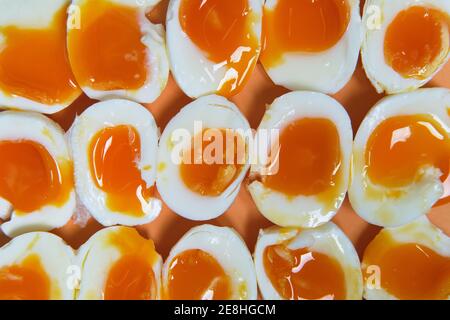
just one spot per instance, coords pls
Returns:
(307, 26)
(34, 64)
(196, 275)
(25, 281)
(303, 274)
(413, 41)
(106, 52)
(30, 178)
(408, 270)
(225, 34)
(114, 156)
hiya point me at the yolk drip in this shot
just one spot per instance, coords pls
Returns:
(413, 41)
(303, 274)
(34, 64)
(30, 178)
(409, 270)
(106, 53)
(224, 33)
(302, 26)
(25, 281)
(114, 156)
(196, 275)
(213, 172)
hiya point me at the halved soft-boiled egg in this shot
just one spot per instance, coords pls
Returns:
(203, 158)
(405, 43)
(209, 263)
(36, 266)
(117, 263)
(309, 264)
(115, 51)
(115, 146)
(35, 73)
(311, 44)
(305, 179)
(36, 174)
(411, 262)
(401, 158)
(213, 45)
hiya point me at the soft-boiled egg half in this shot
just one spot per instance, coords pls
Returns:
(115, 145)
(35, 73)
(401, 158)
(203, 158)
(36, 174)
(115, 51)
(406, 42)
(408, 263)
(213, 45)
(117, 263)
(311, 45)
(209, 263)
(305, 178)
(309, 264)
(36, 266)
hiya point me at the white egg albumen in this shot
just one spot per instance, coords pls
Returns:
(327, 239)
(195, 74)
(302, 211)
(327, 71)
(417, 198)
(378, 15)
(103, 115)
(227, 247)
(214, 112)
(37, 128)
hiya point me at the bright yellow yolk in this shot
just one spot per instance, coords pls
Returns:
(224, 33)
(25, 281)
(106, 53)
(307, 26)
(131, 277)
(304, 274)
(413, 41)
(30, 178)
(114, 155)
(34, 64)
(196, 275)
(409, 270)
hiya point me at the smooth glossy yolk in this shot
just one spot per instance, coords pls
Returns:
(30, 178)
(409, 270)
(34, 64)
(131, 277)
(114, 156)
(25, 281)
(225, 34)
(196, 275)
(304, 274)
(106, 52)
(307, 26)
(413, 41)
(211, 166)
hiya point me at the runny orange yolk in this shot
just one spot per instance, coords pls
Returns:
(225, 34)
(413, 41)
(34, 64)
(304, 274)
(196, 275)
(307, 26)
(30, 178)
(114, 155)
(409, 270)
(25, 281)
(131, 277)
(106, 52)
